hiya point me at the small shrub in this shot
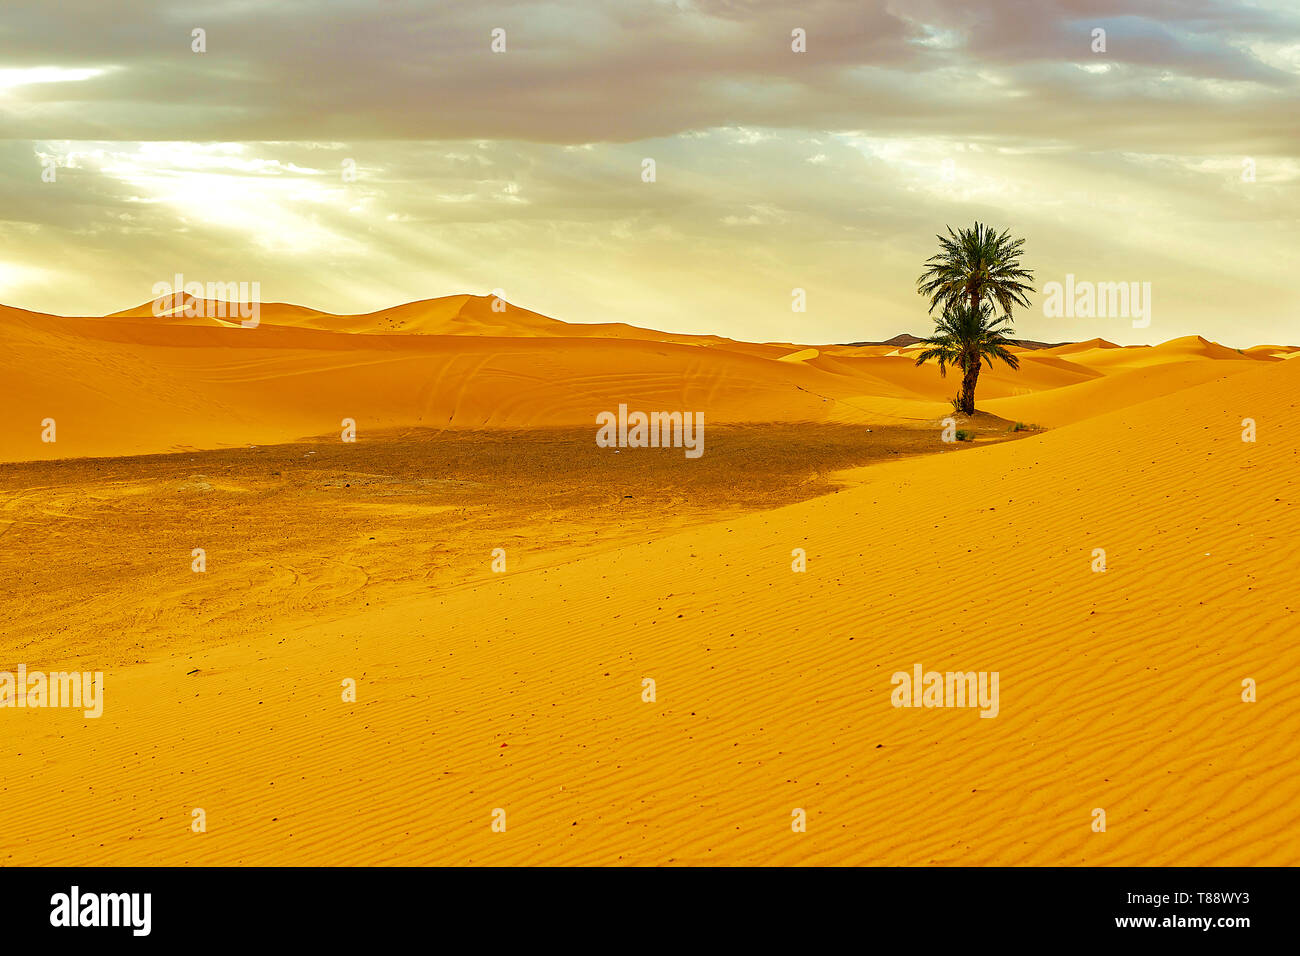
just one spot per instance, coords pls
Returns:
(963, 435)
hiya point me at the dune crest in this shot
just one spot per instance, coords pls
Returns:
(134, 381)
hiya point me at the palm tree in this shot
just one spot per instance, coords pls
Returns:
(976, 264)
(974, 269)
(967, 337)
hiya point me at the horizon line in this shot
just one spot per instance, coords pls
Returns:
(471, 295)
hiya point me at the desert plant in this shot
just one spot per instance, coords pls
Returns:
(968, 337)
(974, 269)
(963, 435)
(974, 265)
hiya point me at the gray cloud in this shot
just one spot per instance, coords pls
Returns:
(619, 72)
(521, 171)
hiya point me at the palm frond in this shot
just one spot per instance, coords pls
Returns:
(977, 264)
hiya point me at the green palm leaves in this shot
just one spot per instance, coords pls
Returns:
(975, 270)
(976, 264)
(963, 336)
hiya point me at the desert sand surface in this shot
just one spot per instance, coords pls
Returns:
(134, 383)
(330, 527)
(522, 690)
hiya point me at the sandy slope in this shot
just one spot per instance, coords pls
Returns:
(134, 382)
(1118, 690)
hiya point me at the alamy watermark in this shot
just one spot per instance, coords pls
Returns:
(1088, 300)
(56, 689)
(218, 300)
(75, 908)
(653, 430)
(946, 689)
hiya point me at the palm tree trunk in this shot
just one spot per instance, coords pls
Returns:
(970, 375)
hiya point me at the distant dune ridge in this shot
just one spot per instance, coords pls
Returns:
(176, 374)
(904, 339)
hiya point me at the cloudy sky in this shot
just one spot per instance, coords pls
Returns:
(354, 154)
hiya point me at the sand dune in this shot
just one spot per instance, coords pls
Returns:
(1124, 387)
(136, 382)
(523, 691)
(130, 384)
(1073, 348)
(1274, 351)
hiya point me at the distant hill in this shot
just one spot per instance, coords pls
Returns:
(904, 339)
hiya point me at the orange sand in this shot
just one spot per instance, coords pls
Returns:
(134, 383)
(522, 691)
